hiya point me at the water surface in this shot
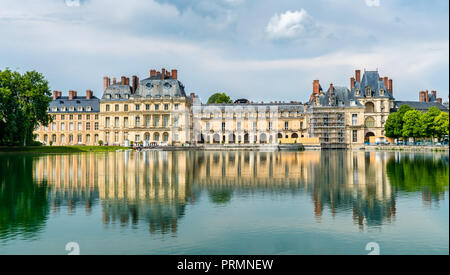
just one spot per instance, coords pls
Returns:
(330, 202)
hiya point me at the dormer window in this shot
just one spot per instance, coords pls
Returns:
(88, 108)
(71, 108)
(80, 109)
(382, 92)
(368, 91)
(54, 109)
(63, 109)
(357, 92)
(116, 96)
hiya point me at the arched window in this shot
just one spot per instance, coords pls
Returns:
(165, 137)
(370, 108)
(263, 138)
(294, 135)
(370, 122)
(156, 137)
(63, 139)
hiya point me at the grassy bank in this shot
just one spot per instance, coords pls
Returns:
(60, 149)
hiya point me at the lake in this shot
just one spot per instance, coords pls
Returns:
(194, 202)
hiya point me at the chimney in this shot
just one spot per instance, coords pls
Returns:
(422, 96)
(123, 80)
(152, 73)
(72, 94)
(386, 83)
(55, 95)
(174, 74)
(89, 94)
(114, 81)
(331, 88)
(352, 83)
(106, 82)
(434, 93)
(358, 75)
(391, 88)
(426, 96)
(163, 73)
(316, 87)
(192, 97)
(135, 84)
(127, 82)
(439, 100)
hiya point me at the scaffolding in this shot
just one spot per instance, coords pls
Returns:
(328, 124)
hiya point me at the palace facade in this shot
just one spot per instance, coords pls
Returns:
(157, 111)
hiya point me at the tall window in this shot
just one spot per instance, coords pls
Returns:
(223, 126)
(107, 120)
(138, 121)
(125, 122)
(354, 119)
(286, 125)
(166, 107)
(156, 121)
(156, 106)
(137, 107)
(96, 126)
(63, 126)
(125, 107)
(116, 122)
(147, 107)
(355, 136)
(239, 126)
(53, 126)
(107, 108)
(116, 107)
(88, 126)
(71, 126)
(80, 126)
(80, 138)
(166, 121)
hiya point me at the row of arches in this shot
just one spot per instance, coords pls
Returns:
(69, 139)
(262, 138)
(156, 137)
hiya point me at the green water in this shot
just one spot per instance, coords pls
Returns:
(332, 202)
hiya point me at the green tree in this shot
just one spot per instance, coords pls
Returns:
(427, 123)
(219, 98)
(411, 124)
(24, 101)
(441, 125)
(394, 124)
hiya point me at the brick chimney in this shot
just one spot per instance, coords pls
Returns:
(316, 87)
(331, 88)
(106, 82)
(123, 80)
(352, 83)
(439, 100)
(174, 74)
(127, 82)
(135, 84)
(386, 83)
(163, 73)
(89, 94)
(426, 96)
(391, 88)
(55, 95)
(152, 73)
(72, 94)
(114, 81)
(192, 98)
(422, 96)
(358, 75)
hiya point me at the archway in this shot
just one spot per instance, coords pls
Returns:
(367, 137)
(263, 138)
(231, 138)
(156, 137)
(216, 138)
(294, 135)
(246, 140)
(166, 137)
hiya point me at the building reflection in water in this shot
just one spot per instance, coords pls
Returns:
(155, 187)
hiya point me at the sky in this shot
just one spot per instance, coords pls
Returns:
(262, 50)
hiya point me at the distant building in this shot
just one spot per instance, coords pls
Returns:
(75, 120)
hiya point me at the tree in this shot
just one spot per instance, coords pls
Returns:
(411, 124)
(24, 101)
(218, 98)
(428, 128)
(394, 124)
(441, 125)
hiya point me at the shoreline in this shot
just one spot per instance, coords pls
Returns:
(221, 147)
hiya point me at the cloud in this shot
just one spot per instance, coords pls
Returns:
(372, 3)
(72, 3)
(290, 25)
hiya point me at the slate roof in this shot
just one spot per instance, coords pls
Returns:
(76, 102)
(282, 107)
(371, 79)
(342, 97)
(117, 92)
(421, 106)
(155, 87)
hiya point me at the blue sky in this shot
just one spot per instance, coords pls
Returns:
(256, 49)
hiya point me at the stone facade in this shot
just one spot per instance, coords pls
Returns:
(157, 111)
